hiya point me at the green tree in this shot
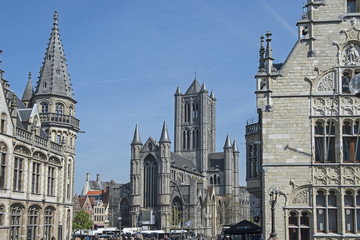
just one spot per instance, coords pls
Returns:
(176, 217)
(82, 221)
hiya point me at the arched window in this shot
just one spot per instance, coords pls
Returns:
(324, 142)
(194, 139)
(16, 213)
(33, 222)
(200, 212)
(299, 227)
(349, 132)
(35, 183)
(48, 223)
(198, 137)
(150, 181)
(71, 110)
(18, 174)
(195, 111)
(44, 107)
(59, 108)
(219, 215)
(124, 211)
(186, 139)
(51, 181)
(326, 212)
(187, 112)
(177, 212)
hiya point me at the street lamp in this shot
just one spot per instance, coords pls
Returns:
(274, 191)
(119, 223)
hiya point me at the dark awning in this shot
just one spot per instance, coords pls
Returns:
(242, 228)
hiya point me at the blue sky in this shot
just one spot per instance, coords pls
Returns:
(127, 57)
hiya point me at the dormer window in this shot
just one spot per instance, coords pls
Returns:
(353, 6)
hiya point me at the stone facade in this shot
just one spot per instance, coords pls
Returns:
(37, 141)
(194, 187)
(303, 146)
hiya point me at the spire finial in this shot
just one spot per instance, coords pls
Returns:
(195, 73)
(268, 54)
(136, 139)
(56, 18)
(262, 52)
(29, 77)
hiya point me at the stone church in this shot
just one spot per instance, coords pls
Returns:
(37, 152)
(192, 188)
(303, 152)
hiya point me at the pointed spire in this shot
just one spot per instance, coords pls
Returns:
(164, 134)
(178, 91)
(136, 140)
(203, 88)
(268, 54)
(212, 95)
(227, 142)
(235, 147)
(54, 77)
(262, 52)
(29, 91)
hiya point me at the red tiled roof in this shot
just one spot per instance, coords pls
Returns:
(94, 193)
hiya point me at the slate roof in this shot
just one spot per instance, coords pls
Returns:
(181, 162)
(29, 91)
(54, 77)
(194, 87)
(95, 185)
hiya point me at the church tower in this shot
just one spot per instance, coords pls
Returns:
(195, 130)
(56, 103)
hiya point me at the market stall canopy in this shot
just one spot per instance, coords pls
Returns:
(242, 228)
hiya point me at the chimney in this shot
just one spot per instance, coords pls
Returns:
(98, 177)
(87, 177)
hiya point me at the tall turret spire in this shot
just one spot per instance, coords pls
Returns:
(28, 92)
(268, 54)
(136, 139)
(227, 142)
(164, 135)
(54, 77)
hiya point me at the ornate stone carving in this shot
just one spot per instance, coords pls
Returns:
(327, 175)
(39, 155)
(351, 175)
(3, 147)
(54, 160)
(22, 150)
(326, 84)
(301, 198)
(351, 55)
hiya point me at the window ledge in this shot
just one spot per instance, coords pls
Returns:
(351, 15)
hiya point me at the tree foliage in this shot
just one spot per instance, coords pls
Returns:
(81, 221)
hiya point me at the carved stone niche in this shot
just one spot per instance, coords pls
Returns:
(350, 55)
(22, 150)
(326, 83)
(300, 196)
(39, 155)
(54, 160)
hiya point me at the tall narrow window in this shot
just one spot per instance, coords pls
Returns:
(2, 209)
(3, 123)
(150, 181)
(48, 222)
(18, 171)
(198, 137)
(194, 139)
(35, 178)
(177, 212)
(195, 111)
(350, 132)
(33, 222)
(51, 180)
(345, 83)
(125, 212)
(2, 169)
(187, 111)
(44, 107)
(324, 142)
(15, 222)
(59, 108)
(349, 212)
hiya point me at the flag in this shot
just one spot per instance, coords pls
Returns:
(188, 223)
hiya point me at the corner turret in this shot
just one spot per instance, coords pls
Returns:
(28, 92)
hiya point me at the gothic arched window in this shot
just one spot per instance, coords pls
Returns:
(150, 181)
(326, 212)
(299, 227)
(187, 112)
(16, 212)
(48, 222)
(177, 212)
(124, 211)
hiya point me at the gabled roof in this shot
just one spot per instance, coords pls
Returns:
(54, 77)
(194, 87)
(97, 185)
(183, 163)
(92, 193)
